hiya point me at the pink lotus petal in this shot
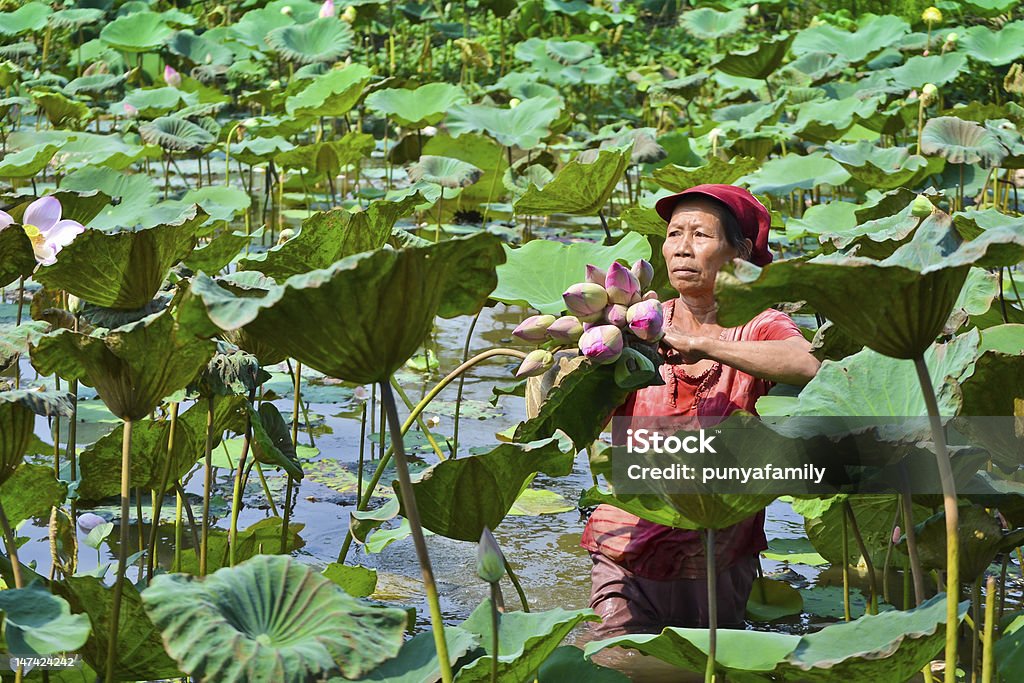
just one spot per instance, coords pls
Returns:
(5, 219)
(43, 213)
(44, 253)
(61, 234)
(327, 9)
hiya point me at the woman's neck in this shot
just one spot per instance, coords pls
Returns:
(697, 310)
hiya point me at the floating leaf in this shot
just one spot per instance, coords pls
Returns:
(321, 40)
(444, 171)
(417, 661)
(137, 32)
(706, 23)
(771, 599)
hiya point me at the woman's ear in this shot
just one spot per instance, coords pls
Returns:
(749, 245)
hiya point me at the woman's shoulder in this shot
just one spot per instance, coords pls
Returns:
(769, 324)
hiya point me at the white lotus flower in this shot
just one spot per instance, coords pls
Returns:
(45, 229)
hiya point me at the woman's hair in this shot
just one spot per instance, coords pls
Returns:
(733, 232)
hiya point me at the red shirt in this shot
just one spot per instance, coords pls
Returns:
(659, 552)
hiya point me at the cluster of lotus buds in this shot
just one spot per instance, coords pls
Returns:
(604, 311)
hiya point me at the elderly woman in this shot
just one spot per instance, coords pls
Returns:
(647, 576)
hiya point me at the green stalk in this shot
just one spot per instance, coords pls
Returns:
(518, 586)
(462, 381)
(236, 497)
(848, 511)
(419, 420)
(204, 540)
(296, 402)
(987, 654)
(907, 504)
(12, 547)
(949, 503)
(709, 545)
(419, 408)
(846, 570)
(178, 532)
(495, 630)
(158, 496)
(413, 515)
(115, 606)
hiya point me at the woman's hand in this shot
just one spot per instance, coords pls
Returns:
(690, 348)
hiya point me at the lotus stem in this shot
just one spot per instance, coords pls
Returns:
(846, 569)
(419, 420)
(495, 629)
(296, 402)
(56, 433)
(518, 586)
(709, 545)
(362, 451)
(12, 548)
(494, 180)
(462, 381)
(413, 515)
(178, 532)
(888, 555)
(976, 636)
(204, 540)
(604, 224)
(949, 501)
(122, 551)
(188, 513)
(907, 503)
(236, 497)
(848, 509)
(419, 408)
(158, 496)
(72, 438)
(987, 653)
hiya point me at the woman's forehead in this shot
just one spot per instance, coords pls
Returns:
(695, 213)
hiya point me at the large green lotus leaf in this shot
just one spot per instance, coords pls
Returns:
(129, 365)
(771, 599)
(417, 661)
(15, 340)
(31, 16)
(219, 252)
(709, 24)
(137, 32)
(758, 62)
(1009, 649)
(827, 120)
(270, 619)
(176, 134)
(328, 158)
(795, 172)
(256, 24)
(936, 69)
(260, 539)
(37, 622)
(961, 142)
(331, 94)
(998, 374)
(140, 654)
(417, 107)
(329, 236)
(459, 498)
(135, 192)
(981, 539)
(482, 152)
(896, 306)
(537, 273)
(564, 52)
(679, 178)
(122, 269)
(80, 149)
(874, 515)
(321, 40)
(256, 150)
(27, 162)
(200, 50)
(154, 102)
(525, 640)
(18, 410)
(567, 663)
(882, 168)
(872, 35)
(578, 189)
(683, 511)
(377, 332)
(100, 462)
(16, 256)
(994, 47)
(61, 111)
(272, 441)
(524, 126)
(444, 171)
(836, 216)
(31, 491)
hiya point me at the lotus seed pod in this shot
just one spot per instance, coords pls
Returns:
(534, 328)
(568, 329)
(932, 15)
(596, 275)
(490, 562)
(929, 93)
(633, 369)
(644, 272)
(615, 314)
(921, 207)
(646, 319)
(620, 284)
(88, 521)
(537, 362)
(602, 344)
(586, 301)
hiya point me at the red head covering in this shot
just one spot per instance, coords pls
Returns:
(753, 217)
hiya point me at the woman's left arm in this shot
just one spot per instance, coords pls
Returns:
(784, 361)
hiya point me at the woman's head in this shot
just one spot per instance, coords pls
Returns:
(702, 235)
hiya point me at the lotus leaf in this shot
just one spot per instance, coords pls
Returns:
(14, 339)
(444, 171)
(679, 178)
(329, 157)
(873, 34)
(357, 581)
(710, 24)
(771, 599)
(479, 150)
(200, 50)
(994, 47)
(299, 624)
(154, 101)
(882, 168)
(416, 108)
(981, 539)
(825, 120)
(522, 127)
(417, 661)
(795, 172)
(256, 150)
(75, 17)
(95, 84)
(16, 256)
(135, 192)
(579, 188)
(758, 62)
(272, 441)
(996, 381)
(258, 540)
(27, 162)
(176, 134)
(137, 32)
(321, 40)
(18, 410)
(332, 94)
(37, 622)
(31, 491)
(524, 86)
(61, 111)
(935, 69)
(961, 142)
(31, 16)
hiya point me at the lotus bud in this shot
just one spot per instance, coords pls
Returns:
(644, 272)
(514, 102)
(754, 10)
(349, 15)
(490, 562)
(621, 284)
(615, 314)
(171, 77)
(586, 301)
(568, 329)
(360, 393)
(896, 534)
(649, 296)
(932, 15)
(130, 111)
(88, 521)
(286, 10)
(952, 37)
(646, 319)
(274, 84)
(429, 131)
(921, 207)
(327, 9)
(537, 362)
(929, 93)
(633, 369)
(285, 235)
(534, 328)
(74, 304)
(596, 275)
(602, 344)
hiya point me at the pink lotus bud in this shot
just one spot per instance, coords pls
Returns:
(534, 328)
(602, 344)
(644, 272)
(646, 319)
(649, 296)
(621, 284)
(537, 362)
(87, 521)
(568, 328)
(130, 111)
(327, 9)
(896, 534)
(586, 301)
(171, 77)
(615, 314)
(595, 275)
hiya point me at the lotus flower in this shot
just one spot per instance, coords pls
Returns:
(644, 272)
(534, 328)
(47, 232)
(490, 562)
(596, 275)
(646, 319)
(171, 77)
(602, 344)
(327, 9)
(568, 328)
(621, 284)
(586, 301)
(537, 362)
(615, 314)
(130, 111)
(88, 521)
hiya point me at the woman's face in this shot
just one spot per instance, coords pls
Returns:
(695, 247)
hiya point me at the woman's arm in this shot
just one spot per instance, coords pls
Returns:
(785, 361)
